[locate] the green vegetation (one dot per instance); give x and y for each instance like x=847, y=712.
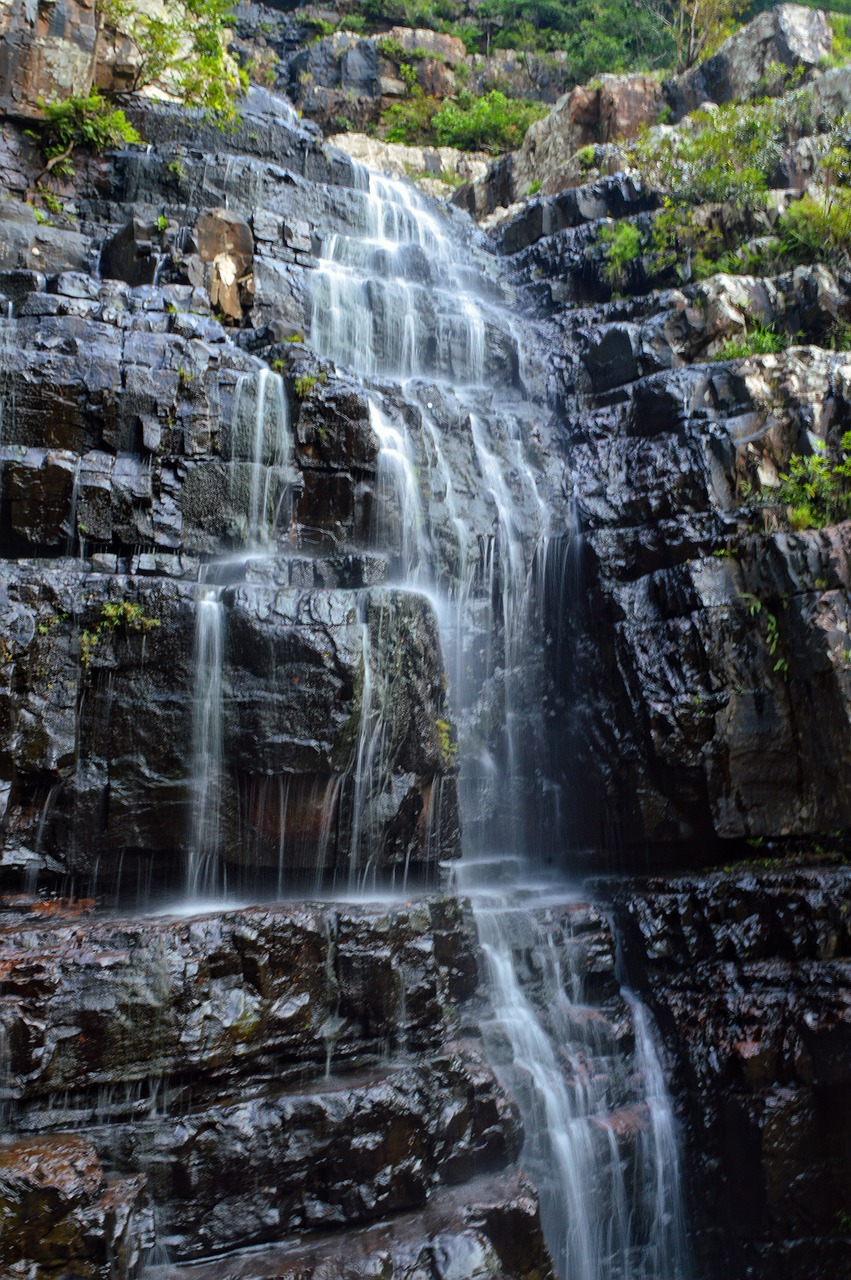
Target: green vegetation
x=622, y=248
x=114, y=616
x=491, y=122
x=756, y=608
x=718, y=156
x=185, y=49
x=762, y=340
x=816, y=489
x=446, y=740
x=79, y=121
x=305, y=384
x=595, y=35
x=818, y=229
x=727, y=156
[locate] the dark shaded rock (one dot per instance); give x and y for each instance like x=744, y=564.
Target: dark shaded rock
x=129, y=255
x=750, y=978
x=490, y=1227
x=60, y=1214
x=116, y=753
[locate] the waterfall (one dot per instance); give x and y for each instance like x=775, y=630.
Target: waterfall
x=259, y=482
x=464, y=518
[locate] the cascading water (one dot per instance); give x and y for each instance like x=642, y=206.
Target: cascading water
x=260, y=456
x=260, y=451
x=207, y=735
x=399, y=303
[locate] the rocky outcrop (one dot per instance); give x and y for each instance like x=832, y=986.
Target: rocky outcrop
x=252, y=1074
x=349, y=80
x=789, y=35
x=580, y=132
x=750, y=978
x=615, y=108
x=346, y=80
x=46, y=52
x=435, y=170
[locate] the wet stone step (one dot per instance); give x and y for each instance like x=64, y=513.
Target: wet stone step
x=487, y=1227
x=88, y=1001
x=240, y=1173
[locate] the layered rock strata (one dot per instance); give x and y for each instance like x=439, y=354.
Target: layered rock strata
x=257, y=1075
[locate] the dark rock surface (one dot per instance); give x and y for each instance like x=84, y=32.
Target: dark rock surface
x=749, y=975
x=255, y=1075
x=702, y=637
x=130, y=403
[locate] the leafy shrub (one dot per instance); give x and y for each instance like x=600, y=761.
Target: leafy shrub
x=491, y=122
x=412, y=121
x=816, y=489
x=818, y=228
x=726, y=154
x=80, y=121
x=585, y=157
x=623, y=247
x=185, y=49
x=762, y=340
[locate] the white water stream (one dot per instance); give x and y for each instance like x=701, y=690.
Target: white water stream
x=403, y=303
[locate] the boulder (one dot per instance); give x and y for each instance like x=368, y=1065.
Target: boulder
x=616, y=107
x=443, y=48
x=225, y=243
x=60, y=1214
x=789, y=35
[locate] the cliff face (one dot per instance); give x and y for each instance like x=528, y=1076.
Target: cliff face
x=251, y=549
x=141, y=439
x=699, y=627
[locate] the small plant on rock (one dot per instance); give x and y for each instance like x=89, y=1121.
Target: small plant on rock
x=622, y=248
x=762, y=340
x=114, y=615
x=816, y=489
x=817, y=228
x=81, y=121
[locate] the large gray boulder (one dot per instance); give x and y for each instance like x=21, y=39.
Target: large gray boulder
x=789, y=35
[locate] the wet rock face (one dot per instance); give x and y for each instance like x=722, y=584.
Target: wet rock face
x=251, y=1074
x=750, y=979
x=136, y=420
x=98, y=726
x=58, y=1210
x=702, y=638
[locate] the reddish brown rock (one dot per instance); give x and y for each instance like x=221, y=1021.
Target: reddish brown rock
x=47, y=51
x=226, y=244
x=58, y=1214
